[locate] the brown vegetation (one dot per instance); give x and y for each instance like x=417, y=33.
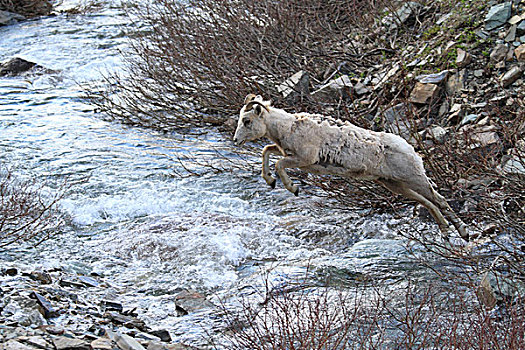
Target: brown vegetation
x=26, y=214
x=28, y=8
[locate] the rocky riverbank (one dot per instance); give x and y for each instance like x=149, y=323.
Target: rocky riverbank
x=55, y=309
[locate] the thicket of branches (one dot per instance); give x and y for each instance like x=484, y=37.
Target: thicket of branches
x=26, y=213
x=28, y=8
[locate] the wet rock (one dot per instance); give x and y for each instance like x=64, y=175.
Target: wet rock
x=11, y=271
x=45, y=306
x=71, y=284
x=124, y=341
x=15, y=67
x=335, y=89
x=188, y=301
x=435, y=78
x=424, y=93
x=499, y=53
x=102, y=344
x=7, y=18
x=128, y=321
x=66, y=343
x=15, y=345
x=402, y=15
x=111, y=305
x=163, y=334
x=295, y=86
x=88, y=281
x=463, y=58
x=498, y=15
x=520, y=52
x=40, y=276
x=512, y=75
x=36, y=341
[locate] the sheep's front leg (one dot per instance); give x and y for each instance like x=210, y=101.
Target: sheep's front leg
x=270, y=149
x=289, y=162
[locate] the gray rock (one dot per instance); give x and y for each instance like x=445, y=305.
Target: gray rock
x=15, y=66
x=436, y=133
x=520, y=52
x=336, y=88
x=396, y=121
x=163, y=334
x=456, y=82
x=102, y=344
x=495, y=287
x=520, y=29
x=499, y=53
x=511, y=34
x=361, y=89
x=435, y=78
x=512, y=75
x=45, y=306
x=402, y=15
x=15, y=345
x=469, y=119
x=7, y=18
x=111, y=305
x=514, y=165
x=295, y=86
x=498, y=15
x=124, y=341
x=187, y=301
x=66, y=343
x=463, y=58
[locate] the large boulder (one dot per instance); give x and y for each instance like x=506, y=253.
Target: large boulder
x=16, y=66
x=498, y=15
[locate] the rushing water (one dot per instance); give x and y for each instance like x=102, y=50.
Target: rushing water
x=133, y=221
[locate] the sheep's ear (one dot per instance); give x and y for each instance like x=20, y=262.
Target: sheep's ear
x=249, y=98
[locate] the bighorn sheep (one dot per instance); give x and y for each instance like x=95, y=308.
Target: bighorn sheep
x=323, y=145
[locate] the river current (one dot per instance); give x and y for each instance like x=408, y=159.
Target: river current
x=132, y=220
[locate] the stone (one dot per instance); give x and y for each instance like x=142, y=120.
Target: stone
x=295, y=86
x=463, y=58
x=13, y=344
x=361, y=89
x=163, y=334
x=102, y=344
x=496, y=287
x=516, y=19
x=42, y=277
x=187, y=301
x=385, y=76
x=468, y=119
x=46, y=308
x=111, y=305
x=402, y=15
x=482, y=136
x=520, y=52
x=436, y=133
x=88, y=281
x=335, y=89
x=456, y=82
x=396, y=121
x=7, y=18
x=66, y=343
x=512, y=75
x=478, y=73
x=124, y=341
x=38, y=342
x=499, y=53
x=435, y=78
x=15, y=66
x=520, y=29
x=11, y=271
x=514, y=166
x=498, y=15
x=511, y=34
x=424, y=93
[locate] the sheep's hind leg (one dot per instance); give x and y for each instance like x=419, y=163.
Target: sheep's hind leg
x=270, y=149
x=280, y=167
x=400, y=188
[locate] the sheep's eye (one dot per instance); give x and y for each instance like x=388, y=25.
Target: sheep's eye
x=247, y=122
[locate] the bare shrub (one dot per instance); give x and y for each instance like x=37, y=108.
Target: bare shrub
x=26, y=213
x=419, y=315
x=28, y=8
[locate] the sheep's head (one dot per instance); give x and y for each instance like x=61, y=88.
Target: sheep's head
x=251, y=125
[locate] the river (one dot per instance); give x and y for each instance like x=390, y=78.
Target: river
x=132, y=220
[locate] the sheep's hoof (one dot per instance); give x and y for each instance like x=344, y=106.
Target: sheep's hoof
x=272, y=184
x=296, y=192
